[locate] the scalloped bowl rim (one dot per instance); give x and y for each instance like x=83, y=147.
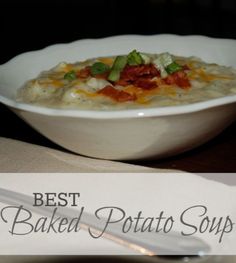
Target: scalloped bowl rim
x=116, y=114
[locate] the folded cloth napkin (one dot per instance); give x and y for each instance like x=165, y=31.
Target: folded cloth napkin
x=19, y=157
x=136, y=189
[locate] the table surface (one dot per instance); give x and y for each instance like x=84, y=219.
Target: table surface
x=218, y=155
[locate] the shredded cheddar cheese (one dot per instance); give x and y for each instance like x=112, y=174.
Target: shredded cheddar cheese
x=89, y=84
x=57, y=83
x=89, y=94
x=207, y=77
x=108, y=61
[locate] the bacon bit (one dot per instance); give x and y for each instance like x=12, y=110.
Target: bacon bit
x=139, y=76
x=84, y=73
x=123, y=82
x=178, y=78
x=117, y=95
x=186, y=67
x=103, y=76
x=145, y=84
x=131, y=73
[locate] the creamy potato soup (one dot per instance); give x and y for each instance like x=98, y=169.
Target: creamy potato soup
x=135, y=80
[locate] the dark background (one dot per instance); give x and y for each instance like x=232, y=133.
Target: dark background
x=34, y=24
x=31, y=25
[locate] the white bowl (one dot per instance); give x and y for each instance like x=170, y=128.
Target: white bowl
x=125, y=134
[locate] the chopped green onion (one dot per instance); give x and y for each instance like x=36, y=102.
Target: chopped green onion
x=118, y=65
x=71, y=75
x=173, y=67
x=134, y=58
x=165, y=64
x=146, y=58
x=158, y=64
x=165, y=59
x=99, y=68
x=161, y=62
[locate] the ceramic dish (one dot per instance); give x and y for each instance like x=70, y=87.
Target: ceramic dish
x=123, y=134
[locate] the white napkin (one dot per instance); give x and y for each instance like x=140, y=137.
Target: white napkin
x=17, y=156
x=132, y=190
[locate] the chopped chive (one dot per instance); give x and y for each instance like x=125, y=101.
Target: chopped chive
x=173, y=67
x=146, y=58
x=71, y=75
x=118, y=65
x=162, y=62
x=114, y=75
x=99, y=68
x=134, y=58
